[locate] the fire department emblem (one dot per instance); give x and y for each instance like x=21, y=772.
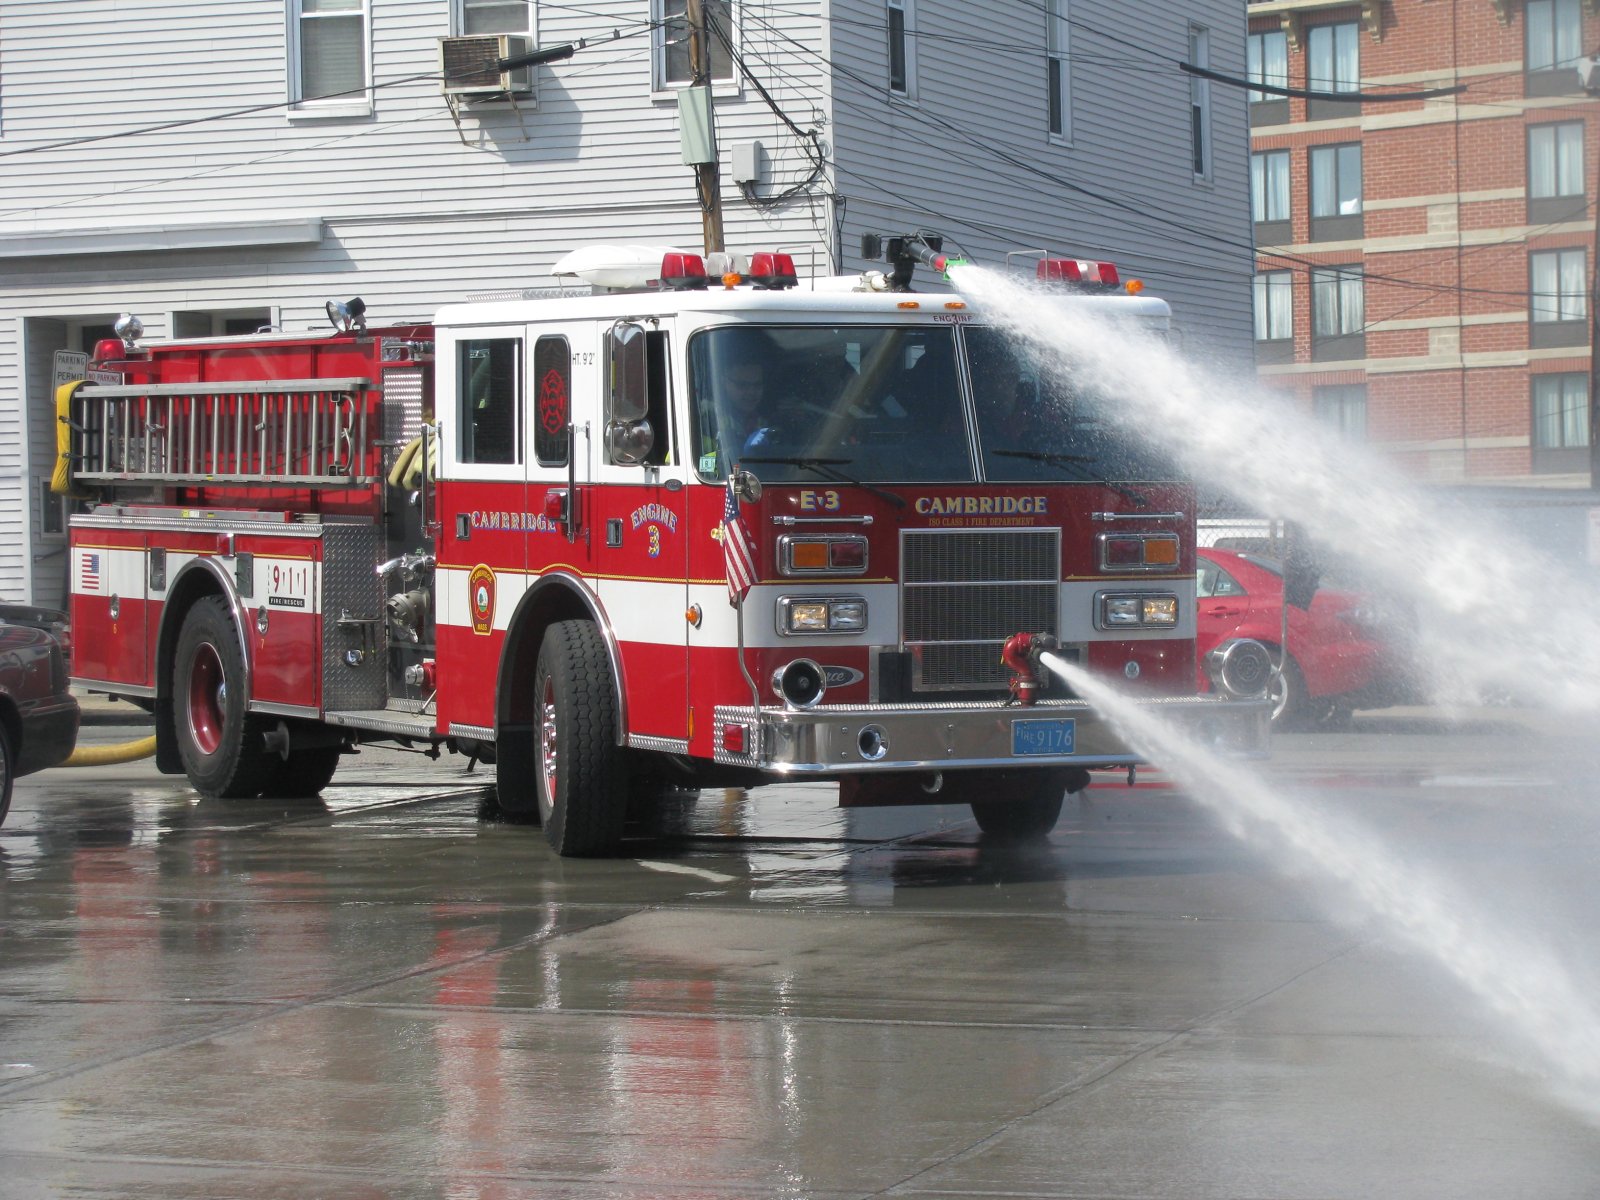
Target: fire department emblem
x=552, y=402
x=480, y=590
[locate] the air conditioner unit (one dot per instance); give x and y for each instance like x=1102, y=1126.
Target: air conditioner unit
x=470, y=65
x=1589, y=72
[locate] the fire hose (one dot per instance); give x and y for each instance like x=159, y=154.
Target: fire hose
x=105, y=756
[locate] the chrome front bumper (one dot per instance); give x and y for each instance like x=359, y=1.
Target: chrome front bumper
x=836, y=740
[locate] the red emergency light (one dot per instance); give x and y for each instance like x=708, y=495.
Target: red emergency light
x=1077, y=271
x=772, y=270
x=108, y=350
x=681, y=272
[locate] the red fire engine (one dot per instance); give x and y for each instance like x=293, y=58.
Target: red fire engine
x=666, y=529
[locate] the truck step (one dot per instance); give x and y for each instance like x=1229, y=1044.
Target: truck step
x=385, y=720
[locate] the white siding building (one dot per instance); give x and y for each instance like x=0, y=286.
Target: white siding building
x=172, y=159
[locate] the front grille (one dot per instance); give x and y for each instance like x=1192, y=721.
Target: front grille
x=964, y=591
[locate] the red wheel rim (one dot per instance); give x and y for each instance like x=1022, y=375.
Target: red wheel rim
x=208, y=698
x=549, y=756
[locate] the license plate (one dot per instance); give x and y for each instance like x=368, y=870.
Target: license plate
x=1055, y=736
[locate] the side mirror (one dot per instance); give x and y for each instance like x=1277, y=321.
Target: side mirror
x=629, y=442
x=629, y=438
x=627, y=396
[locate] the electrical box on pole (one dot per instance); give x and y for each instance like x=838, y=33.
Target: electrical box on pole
x=707, y=182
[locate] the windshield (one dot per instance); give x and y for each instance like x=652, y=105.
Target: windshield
x=884, y=404
x=1034, y=425
x=879, y=405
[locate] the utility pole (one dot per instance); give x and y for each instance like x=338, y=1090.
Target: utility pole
x=707, y=175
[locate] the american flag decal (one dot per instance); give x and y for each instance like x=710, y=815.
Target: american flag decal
x=91, y=572
x=738, y=550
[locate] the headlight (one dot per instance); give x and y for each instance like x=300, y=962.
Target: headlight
x=1136, y=610
x=821, y=614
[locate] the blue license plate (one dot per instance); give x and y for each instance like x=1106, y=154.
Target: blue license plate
x=1055, y=736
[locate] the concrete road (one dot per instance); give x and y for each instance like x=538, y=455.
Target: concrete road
x=390, y=993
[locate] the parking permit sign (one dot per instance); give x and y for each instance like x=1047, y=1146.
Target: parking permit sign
x=68, y=366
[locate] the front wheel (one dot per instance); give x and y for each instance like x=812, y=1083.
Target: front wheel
x=221, y=750
x=580, y=772
x=1026, y=804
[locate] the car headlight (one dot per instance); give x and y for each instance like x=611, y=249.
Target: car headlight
x=1136, y=610
x=821, y=614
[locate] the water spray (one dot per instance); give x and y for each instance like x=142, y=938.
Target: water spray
x=1510, y=975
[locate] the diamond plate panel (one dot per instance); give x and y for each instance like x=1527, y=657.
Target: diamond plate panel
x=350, y=589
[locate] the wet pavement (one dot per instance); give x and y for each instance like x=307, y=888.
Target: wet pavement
x=389, y=992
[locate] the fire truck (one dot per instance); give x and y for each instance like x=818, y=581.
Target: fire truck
x=661, y=528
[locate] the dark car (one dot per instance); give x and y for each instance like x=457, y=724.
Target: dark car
x=38, y=716
x=52, y=620
x=1336, y=656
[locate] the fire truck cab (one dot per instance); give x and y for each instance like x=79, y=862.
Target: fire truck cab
x=668, y=529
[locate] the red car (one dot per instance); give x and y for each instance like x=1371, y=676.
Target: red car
x=1335, y=657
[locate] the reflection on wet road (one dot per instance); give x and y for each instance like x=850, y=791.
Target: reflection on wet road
x=392, y=992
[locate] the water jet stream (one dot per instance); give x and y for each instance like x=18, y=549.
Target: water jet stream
x=1251, y=440
x=1514, y=979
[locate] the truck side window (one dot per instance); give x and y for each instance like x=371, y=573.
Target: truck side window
x=552, y=391
x=490, y=391
x=660, y=397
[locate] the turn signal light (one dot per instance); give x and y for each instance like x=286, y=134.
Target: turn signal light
x=1138, y=551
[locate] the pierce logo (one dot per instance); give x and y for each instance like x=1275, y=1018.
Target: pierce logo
x=480, y=593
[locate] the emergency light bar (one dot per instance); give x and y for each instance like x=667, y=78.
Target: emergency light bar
x=772, y=270
x=1077, y=271
x=681, y=271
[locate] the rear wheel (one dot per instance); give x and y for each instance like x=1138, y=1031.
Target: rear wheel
x=219, y=745
x=303, y=774
x=1026, y=804
x=1287, y=692
x=580, y=772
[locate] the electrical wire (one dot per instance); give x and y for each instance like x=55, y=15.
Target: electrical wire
x=1127, y=206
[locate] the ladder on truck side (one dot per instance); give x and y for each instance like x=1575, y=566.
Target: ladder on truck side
x=302, y=432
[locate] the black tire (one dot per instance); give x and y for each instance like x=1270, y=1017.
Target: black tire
x=300, y=776
x=8, y=772
x=1026, y=804
x=1287, y=691
x=582, y=775
x=516, y=772
x=221, y=747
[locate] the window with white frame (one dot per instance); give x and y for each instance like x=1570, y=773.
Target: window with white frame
x=673, y=67
x=1554, y=34
x=1200, y=103
x=1058, y=71
x=1555, y=162
x=901, y=20
x=1560, y=411
x=1269, y=186
x=479, y=18
x=1344, y=406
x=1274, y=305
x=468, y=17
x=1267, y=61
x=329, y=49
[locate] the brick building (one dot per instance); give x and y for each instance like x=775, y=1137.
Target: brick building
x=1425, y=266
